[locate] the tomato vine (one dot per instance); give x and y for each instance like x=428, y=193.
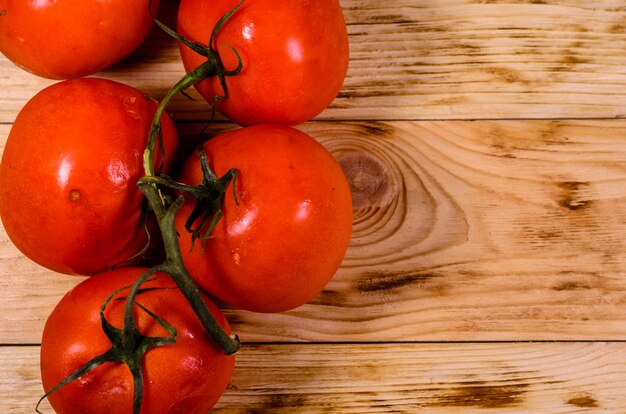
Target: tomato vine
x=128, y=346
x=321, y=199
x=208, y=194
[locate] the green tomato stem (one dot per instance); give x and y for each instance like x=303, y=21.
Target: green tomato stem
x=164, y=210
x=128, y=346
x=174, y=267
x=165, y=213
x=205, y=70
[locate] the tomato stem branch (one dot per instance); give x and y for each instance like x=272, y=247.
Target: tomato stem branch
x=164, y=210
x=174, y=267
x=207, y=69
x=128, y=345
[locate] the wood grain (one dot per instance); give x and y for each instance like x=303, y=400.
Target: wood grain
x=485, y=146
x=489, y=230
x=393, y=378
x=456, y=59
x=422, y=59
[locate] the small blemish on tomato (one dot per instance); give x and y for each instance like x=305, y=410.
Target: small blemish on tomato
x=236, y=256
x=129, y=106
x=74, y=196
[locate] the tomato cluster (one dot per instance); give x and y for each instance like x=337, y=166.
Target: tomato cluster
x=92, y=183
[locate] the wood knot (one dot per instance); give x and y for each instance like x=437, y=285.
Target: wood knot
x=404, y=207
x=574, y=195
x=368, y=179
x=584, y=401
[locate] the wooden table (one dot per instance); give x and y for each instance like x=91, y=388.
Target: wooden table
x=485, y=142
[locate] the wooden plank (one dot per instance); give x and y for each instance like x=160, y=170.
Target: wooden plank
x=465, y=232
x=490, y=230
x=393, y=378
x=419, y=59
x=459, y=59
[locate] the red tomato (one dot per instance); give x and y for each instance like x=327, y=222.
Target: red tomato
x=187, y=376
x=284, y=240
x=294, y=55
x=62, y=39
x=68, y=194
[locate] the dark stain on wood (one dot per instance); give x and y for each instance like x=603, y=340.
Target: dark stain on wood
x=579, y=28
x=519, y=1
x=571, y=285
x=379, y=281
x=468, y=48
x=380, y=19
x=549, y=134
x=506, y=74
x=571, y=59
x=437, y=289
x=378, y=129
x=505, y=155
x=281, y=401
x=512, y=28
x=234, y=316
x=378, y=88
x=583, y=402
x=482, y=395
x=449, y=101
x=329, y=298
x=501, y=142
x=570, y=197
x=545, y=235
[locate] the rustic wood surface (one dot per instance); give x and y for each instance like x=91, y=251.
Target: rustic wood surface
x=397, y=378
x=485, y=145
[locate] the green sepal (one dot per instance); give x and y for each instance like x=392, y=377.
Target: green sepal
x=128, y=346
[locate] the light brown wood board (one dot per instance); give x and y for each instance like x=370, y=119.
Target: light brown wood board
x=486, y=150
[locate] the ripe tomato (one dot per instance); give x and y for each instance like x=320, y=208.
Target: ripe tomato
x=280, y=243
x=187, y=376
x=68, y=194
x=294, y=55
x=62, y=39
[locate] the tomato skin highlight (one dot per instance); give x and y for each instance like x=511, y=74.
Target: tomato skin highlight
x=64, y=39
x=294, y=52
x=68, y=178
x=188, y=376
x=285, y=239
